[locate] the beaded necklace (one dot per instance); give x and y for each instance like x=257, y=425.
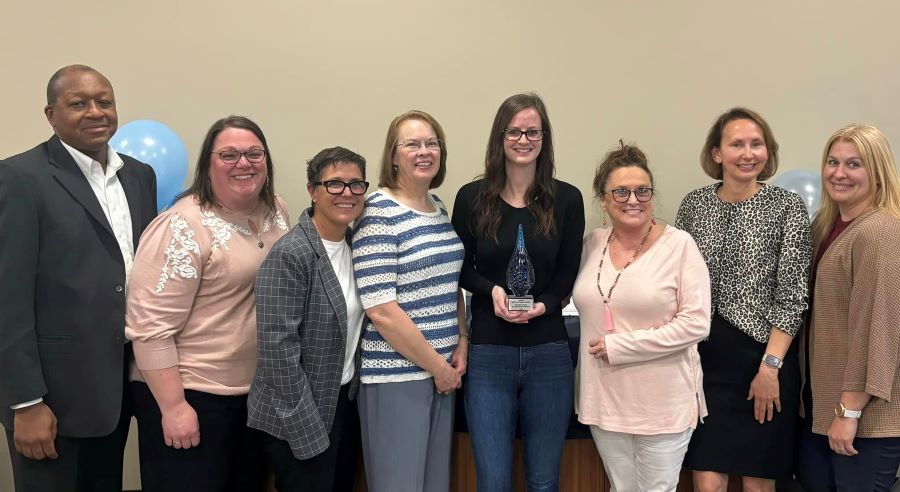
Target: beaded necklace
x=606, y=298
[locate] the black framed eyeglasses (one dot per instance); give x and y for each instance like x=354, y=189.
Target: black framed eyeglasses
x=231, y=156
x=622, y=195
x=513, y=134
x=336, y=186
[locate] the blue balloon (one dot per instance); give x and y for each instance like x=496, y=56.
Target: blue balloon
x=154, y=143
x=805, y=183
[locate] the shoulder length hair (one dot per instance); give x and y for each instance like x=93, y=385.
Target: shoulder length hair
x=387, y=177
x=541, y=195
x=201, y=188
x=717, y=132
x=878, y=160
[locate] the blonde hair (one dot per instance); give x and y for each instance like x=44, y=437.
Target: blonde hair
x=878, y=160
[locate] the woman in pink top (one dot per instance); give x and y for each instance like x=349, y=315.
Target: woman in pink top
x=643, y=293
x=191, y=317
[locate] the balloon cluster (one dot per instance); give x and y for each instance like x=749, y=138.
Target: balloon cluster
x=805, y=183
x=154, y=143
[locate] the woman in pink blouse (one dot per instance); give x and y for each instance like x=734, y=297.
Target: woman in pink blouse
x=191, y=317
x=643, y=293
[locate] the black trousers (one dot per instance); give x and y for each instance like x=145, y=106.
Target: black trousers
x=873, y=470
x=84, y=464
x=92, y=464
x=332, y=470
x=228, y=458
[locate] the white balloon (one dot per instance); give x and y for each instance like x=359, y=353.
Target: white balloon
x=805, y=183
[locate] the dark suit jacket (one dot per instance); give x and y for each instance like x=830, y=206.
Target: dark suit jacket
x=62, y=288
x=301, y=320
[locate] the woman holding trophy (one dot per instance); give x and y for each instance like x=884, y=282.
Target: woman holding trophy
x=522, y=232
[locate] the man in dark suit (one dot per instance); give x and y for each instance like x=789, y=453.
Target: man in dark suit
x=71, y=213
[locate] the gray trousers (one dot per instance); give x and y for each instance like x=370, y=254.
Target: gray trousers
x=407, y=435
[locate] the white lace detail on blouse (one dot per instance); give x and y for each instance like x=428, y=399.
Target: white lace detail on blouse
x=220, y=228
x=278, y=220
x=178, y=252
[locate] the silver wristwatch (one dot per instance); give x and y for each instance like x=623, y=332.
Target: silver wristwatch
x=772, y=361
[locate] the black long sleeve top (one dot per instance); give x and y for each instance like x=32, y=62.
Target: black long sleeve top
x=555, y=260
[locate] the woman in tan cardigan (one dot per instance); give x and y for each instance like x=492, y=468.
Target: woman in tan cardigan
x=853, y=442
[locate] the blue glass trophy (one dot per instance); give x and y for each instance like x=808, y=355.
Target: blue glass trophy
x=520, y=276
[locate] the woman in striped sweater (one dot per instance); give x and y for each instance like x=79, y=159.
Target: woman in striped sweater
x=407, y=258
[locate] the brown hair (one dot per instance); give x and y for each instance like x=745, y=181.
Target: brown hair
x=542, y=192
x=624, y=155
x=329, y=157
x=201, y=188
x=714, y=140
x=386, y=176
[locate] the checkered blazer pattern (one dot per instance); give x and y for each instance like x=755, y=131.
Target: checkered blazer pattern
x=301, y=319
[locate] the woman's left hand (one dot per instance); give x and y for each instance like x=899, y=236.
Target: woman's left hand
x=841, y=435
x=459, y=357
x=764, y=390
x=597, y=348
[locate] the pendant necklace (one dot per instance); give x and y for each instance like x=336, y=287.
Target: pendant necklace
x=607, y=314
x=255, y=230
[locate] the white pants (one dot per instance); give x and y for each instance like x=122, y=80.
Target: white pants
x=637, y=463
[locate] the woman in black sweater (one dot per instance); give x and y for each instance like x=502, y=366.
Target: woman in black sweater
x=519, y=367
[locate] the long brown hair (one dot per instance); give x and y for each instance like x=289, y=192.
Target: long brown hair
x=541, y=195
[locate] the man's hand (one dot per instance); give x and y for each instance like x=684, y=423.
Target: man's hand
x=34, y=432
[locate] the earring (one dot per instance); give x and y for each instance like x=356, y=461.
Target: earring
x=604, y=217
x=394, y=168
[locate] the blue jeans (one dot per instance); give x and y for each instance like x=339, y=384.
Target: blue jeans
x=531, y=386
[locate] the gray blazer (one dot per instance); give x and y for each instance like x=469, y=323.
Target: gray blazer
x=301, y=319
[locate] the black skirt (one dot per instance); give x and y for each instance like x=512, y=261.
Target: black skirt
x=730, y=440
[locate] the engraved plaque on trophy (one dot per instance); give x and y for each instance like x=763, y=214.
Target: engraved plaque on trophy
x=520, y=276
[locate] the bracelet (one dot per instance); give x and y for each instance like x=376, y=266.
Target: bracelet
x=464, y=335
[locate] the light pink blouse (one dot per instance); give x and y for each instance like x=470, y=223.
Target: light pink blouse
x=653, y=382
x=190, y=299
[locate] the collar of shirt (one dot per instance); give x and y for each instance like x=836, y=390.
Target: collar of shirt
x=85, y=163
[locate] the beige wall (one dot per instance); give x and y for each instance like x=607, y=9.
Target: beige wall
x=318, y=74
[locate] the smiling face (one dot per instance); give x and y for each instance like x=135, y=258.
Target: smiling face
x=631, y=214
x=523, y=152
x=742, y=152
x=237, y=186
x=337, y=210
x=84, y=113
x=847, y=180
x=416, y=167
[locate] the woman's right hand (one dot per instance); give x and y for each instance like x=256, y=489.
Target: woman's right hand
x=500, y=308
x=181, y=429
x=446, y=379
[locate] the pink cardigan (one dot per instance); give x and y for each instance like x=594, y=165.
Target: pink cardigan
x=653, y=382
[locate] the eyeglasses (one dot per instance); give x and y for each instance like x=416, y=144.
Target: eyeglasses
x=433, y=144
x=513, y=134
x=254, y=156
x=337, y=187
x=622, y=195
